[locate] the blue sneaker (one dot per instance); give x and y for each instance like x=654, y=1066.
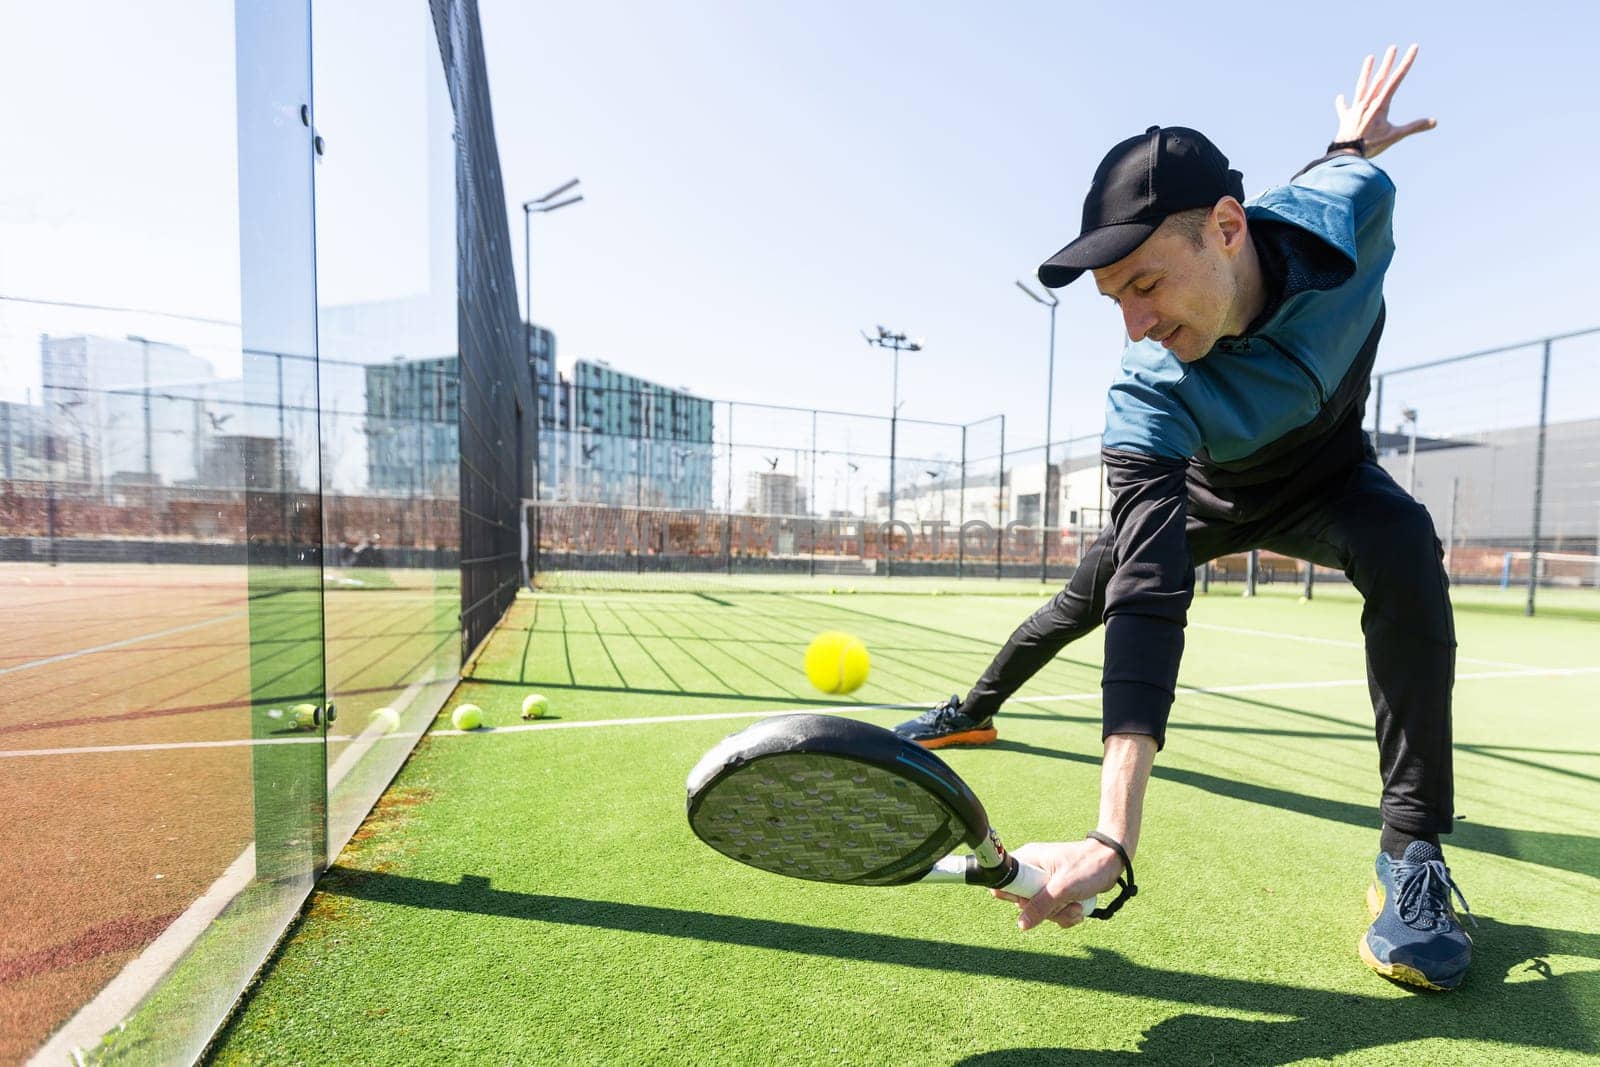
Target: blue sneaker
x=1415, y=936
x=946, y=725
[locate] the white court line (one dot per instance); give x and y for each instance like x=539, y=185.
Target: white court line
x=117, y=1000
x=123, y=995
x=122, y=644
x=832, y=709
x=1341, y=643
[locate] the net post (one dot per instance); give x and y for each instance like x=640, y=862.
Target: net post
x=1538, y=479
x=1252, y=564
x=1311, y=579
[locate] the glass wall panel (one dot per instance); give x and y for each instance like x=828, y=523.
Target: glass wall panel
x=159, y=633
x=386, y=318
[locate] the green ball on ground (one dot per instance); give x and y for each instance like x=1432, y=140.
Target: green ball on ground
x=535, y=706
x=467, y=717
x=386, y=720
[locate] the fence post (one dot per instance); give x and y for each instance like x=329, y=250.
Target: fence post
x=1252, y=564
x=1538, y=479
x=1450, y=532
x=812, y=503
x=1000, y=504
x=1377, y=415
x=961, y=507
x=1311, y=578
x=727, y=515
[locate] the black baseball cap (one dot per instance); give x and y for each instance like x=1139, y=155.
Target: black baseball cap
x=1140, y=182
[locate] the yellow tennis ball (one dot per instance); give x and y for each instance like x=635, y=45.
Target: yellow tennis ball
x=305, y=716
x=837, y=662
x=535, y=706
x=467, y=717
x=386, y=720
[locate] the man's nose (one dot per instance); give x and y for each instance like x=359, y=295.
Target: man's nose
x=1138, y=320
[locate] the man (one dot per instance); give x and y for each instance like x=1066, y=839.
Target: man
x=1236, y=423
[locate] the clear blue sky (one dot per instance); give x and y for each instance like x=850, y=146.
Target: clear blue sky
x=764, y=180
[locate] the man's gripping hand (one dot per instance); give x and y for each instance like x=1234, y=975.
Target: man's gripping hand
x=1366, y=117
x=1077, y=870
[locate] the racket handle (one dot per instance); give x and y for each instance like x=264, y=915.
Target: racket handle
x=1030, y=880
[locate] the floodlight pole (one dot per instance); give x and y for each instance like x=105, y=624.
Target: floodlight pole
x=541, y=205
x=1046, y=497
x=897, y=343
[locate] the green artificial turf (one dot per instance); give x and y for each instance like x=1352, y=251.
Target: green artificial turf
x=535, y=895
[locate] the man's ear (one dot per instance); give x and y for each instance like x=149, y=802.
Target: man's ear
x=1229, y=218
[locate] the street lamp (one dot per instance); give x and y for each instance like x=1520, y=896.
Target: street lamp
x=1049, y=399
x=897, y=343
x=542, y=205
x=1410, y=415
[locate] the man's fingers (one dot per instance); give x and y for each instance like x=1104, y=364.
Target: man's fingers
x=1383, y=70
x=1361, y=82
x=1043, y=906
x=1399, y=74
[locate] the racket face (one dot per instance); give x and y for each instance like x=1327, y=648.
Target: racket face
x=831, y=800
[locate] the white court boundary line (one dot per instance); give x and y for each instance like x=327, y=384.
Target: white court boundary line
x=121, y=997
x=122, y=644
x=831, y=709
x=1340, y=643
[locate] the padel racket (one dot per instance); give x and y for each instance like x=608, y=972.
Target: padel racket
x=835, y=800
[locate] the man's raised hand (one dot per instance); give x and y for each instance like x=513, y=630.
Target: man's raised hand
x=1366, y=117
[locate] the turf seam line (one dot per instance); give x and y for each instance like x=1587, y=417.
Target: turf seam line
x=121, y=644
x=1340, y=643
x=714, y=716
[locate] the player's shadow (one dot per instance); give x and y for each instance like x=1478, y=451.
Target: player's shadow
x=1570, y=852
x=1527, y=986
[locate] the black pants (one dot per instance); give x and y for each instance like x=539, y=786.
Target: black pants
x=1384, y=541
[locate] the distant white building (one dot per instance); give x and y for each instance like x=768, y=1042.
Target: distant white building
x=123, y=411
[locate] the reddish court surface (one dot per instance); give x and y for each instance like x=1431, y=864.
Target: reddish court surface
x=100, y=851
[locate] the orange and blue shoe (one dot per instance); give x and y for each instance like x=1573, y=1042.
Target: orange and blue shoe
x=948, y=725
x=1415, y=936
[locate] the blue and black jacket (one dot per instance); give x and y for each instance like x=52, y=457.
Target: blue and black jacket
x=1261, y=422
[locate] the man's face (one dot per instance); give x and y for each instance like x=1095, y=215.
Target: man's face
x=1173, y=292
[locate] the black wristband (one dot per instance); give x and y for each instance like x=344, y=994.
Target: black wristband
x=1359, y=144
x=1125, y=886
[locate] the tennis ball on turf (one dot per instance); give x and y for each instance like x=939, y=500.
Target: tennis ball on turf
x=535, y=706
x=305, y=716
x=1305, y=600
x=837, y=662
x=467, y=717
x=386, y=720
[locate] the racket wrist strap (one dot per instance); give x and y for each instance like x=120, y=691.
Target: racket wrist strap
x=1125, y=884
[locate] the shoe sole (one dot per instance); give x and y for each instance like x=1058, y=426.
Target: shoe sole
x=964, y=737
x=1398, y=972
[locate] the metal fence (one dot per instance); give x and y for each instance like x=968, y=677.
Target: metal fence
x=1502, y=446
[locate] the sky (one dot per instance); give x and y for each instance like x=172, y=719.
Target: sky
x=763, y=181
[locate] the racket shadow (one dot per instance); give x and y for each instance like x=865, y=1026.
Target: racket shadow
x=1513, y=996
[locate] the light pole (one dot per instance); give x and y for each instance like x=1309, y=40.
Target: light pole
x=897, y=343
x=541, y=205
x=1410, y=415
x=1045, y=494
